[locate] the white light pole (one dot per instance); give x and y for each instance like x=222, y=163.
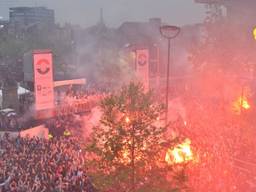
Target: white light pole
x=169, y=32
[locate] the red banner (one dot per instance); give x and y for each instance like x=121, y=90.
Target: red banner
x=43, y=75
x=142, y=67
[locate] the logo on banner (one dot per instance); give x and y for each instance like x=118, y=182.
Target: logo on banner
x=43, y=66
x=142, y=59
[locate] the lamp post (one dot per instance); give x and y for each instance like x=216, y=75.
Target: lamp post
x=169, y=32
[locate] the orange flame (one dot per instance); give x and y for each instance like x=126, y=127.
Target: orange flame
x=244, y=103
x=241, y=103
x=125, y=157
x=181, y=153
x=127, y=119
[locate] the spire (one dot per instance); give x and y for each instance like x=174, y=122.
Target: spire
x=101, y=16
x=100, y=27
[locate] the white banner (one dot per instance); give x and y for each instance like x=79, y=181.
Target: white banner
x=70, y=82
x=43, y=73
x=142, y=67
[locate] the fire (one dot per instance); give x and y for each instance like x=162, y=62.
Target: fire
x=244, y=103
x=181, y=153
x=125, y=157
x=254, y=33
x=127, y=119
x=241, y=103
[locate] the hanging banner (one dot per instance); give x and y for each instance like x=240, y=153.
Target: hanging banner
x=43, y=75
x=142, y=67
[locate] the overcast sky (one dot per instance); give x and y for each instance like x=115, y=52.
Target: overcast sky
x=87, y=12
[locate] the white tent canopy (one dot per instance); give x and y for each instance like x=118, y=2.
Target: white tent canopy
x=21, y=91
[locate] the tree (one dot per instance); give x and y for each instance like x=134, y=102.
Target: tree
x=128, y=147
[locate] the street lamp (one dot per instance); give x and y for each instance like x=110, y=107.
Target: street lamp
x=169, y=32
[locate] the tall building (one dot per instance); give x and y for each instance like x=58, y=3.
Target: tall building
x=24, y=18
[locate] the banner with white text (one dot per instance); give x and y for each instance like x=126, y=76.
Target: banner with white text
x=43, y=76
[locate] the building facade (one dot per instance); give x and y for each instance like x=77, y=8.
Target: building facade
x=25, y=18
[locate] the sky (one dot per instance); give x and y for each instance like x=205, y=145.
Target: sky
x=87, y=12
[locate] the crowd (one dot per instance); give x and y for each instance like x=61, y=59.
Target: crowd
x=38, y=165
x=78, y=94
x=68, y=102
x=74, y=101
x=59, y=124
x=54, y=165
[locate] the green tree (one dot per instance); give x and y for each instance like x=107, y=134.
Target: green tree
x=129, y=145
